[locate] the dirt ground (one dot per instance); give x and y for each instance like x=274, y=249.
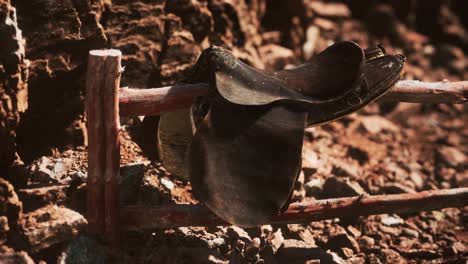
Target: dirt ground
x=386, y=148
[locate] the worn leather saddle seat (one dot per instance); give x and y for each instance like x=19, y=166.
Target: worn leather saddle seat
x=245, y=155
x=326, y=77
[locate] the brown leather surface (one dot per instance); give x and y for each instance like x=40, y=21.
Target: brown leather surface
x=243, y=160
x=328, y=76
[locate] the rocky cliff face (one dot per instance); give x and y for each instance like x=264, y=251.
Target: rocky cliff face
x=13, y=86
x=59, y=35
x=160, y=40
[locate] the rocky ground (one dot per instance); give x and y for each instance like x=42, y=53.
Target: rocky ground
x=386, y=148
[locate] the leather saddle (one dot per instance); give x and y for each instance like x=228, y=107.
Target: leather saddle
x=245, y=154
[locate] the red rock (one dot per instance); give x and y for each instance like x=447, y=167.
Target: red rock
x=451, y=156
x=10, y=205
x=16, y=258
x=4, y=228
x=377, y=124
x=341, y=187
x=13, y=87
x=275, y=241
x=276, y=57
x=35, y=198
x=328, y=9
x=366, y=242
x=343, y=240
x=48, y=226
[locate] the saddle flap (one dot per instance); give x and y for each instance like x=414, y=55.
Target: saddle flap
x=244, y=160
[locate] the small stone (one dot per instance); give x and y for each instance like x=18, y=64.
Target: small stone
x=78, y=177
x=421, y=254
x=393, y=231
x=346, y=170
x=357, y=259
x=410, y=232
x=253, y=248
x=295, y=243
x=235, y=232
x=335, y=258
x=276, y=57
x=44, y=175
x=460, y=247
x=16, y=258
x=390, y=256
x=4, y=228
x=335, y=187
x=373, y=259
x=451, y=157
x=276, y=240
x=240, y=245
x=167, y=184
x=358, y=154
x=341, y=240
x=314, y=187
x=461, y=179
x=391, y=220
x=312, y=35
x=417, y=179
x=377, y=124
x=271, y=37
x=35, y=198
x=345, y=252
x=300, y=180
x=49, y=226
x=46, y=170
x=366, y=242
x=324, y=24
x=353, y=231
x=266, y=230
x=61, y=167
x=310, y=159
x=216, y=242
x=11, y=206
x=334, y=10
x=445, y=174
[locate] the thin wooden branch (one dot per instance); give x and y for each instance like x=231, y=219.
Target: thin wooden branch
x=94, y=107
x=172, y=216
x=157, y=100
x=425, y=92
x=111, y=117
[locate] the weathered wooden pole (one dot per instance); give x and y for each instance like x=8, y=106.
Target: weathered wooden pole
x=172, y=216
x=157, y=100
x=96, y=157
x=103, y=82
x=429, y=92
x=112, y=145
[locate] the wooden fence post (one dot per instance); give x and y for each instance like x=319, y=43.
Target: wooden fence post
x=102, y=109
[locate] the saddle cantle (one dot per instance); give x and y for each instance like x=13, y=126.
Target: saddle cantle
x=245, y=155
